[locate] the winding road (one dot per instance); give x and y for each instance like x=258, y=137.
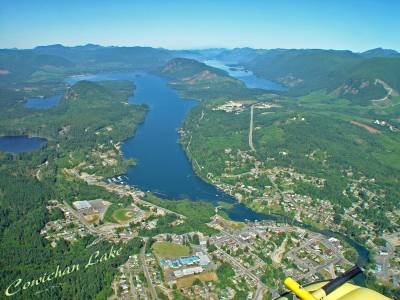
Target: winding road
x=389, y=90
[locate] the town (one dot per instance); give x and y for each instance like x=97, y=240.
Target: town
x=249, y=259
x=239, y=258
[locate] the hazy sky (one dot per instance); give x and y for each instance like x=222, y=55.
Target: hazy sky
x=338, y=24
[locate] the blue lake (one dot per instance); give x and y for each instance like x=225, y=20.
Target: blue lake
x=162, y=166
x=248, y=77
x=18, y=144
x=42, y=103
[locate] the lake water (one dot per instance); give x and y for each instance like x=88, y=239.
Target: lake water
x=18, y=144
x=42, y=103
x=248, y=77
x=162, y=166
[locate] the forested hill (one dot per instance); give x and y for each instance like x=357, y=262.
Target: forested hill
x=18, y=65
x=85, y=125
x=90, y=55
x=197, y=80
x=180, y=68
x=380, y=52
x=346, y=74
x=304, y=71
x=53, y=63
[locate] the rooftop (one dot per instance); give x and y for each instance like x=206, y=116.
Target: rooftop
x=81, y=205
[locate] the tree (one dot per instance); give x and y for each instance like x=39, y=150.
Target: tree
x=197, y=281
x=196, y=239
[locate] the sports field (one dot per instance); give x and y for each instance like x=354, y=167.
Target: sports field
x=168, y=250
x=122, y=215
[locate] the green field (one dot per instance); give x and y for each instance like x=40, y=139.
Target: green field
x=166, y=249
x=123, y=214
x=116, y=214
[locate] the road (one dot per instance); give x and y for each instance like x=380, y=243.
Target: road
x=276, y=186
x=96, y=241
x=161, y=208
x=120, y=189
x=251, y=129
x=276, y=256
x=133, y=290
x=388, y=89
x=146, y=273
x=81, y=219
x=239, y=266
x=258, y=295
x=202, y=115
x=336, y=258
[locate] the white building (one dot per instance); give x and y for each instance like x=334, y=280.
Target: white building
x=80, y=205
x=188, y=271
x=204, y=259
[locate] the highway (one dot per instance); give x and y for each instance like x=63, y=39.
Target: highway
x=146, y=272
x=251, y=129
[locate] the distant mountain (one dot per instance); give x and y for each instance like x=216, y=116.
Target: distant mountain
x=91, y=55
x=210, y=53
x=54, y=62
x=380, y=52
x=20, y=64
x=351, y=75
x=355, y=76
x=240, y=55
x=304, y=70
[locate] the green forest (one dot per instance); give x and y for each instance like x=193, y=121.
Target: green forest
x=84, y=110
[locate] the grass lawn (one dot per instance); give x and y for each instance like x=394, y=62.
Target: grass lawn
x=187, y=281
x=117, y=214
x=234, y=225
x=166, y=249
x=123, y=214
x=108, y=216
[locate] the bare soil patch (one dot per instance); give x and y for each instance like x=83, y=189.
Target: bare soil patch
x=187, y=281
x=369, y=128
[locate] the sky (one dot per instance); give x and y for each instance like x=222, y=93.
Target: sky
x=357, y=25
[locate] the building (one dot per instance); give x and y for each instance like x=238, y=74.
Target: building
x=81, y=205
x=179, y=262
x=204, y=260
x=188, y=271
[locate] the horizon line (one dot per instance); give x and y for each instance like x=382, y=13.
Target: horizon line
x=193, y=48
